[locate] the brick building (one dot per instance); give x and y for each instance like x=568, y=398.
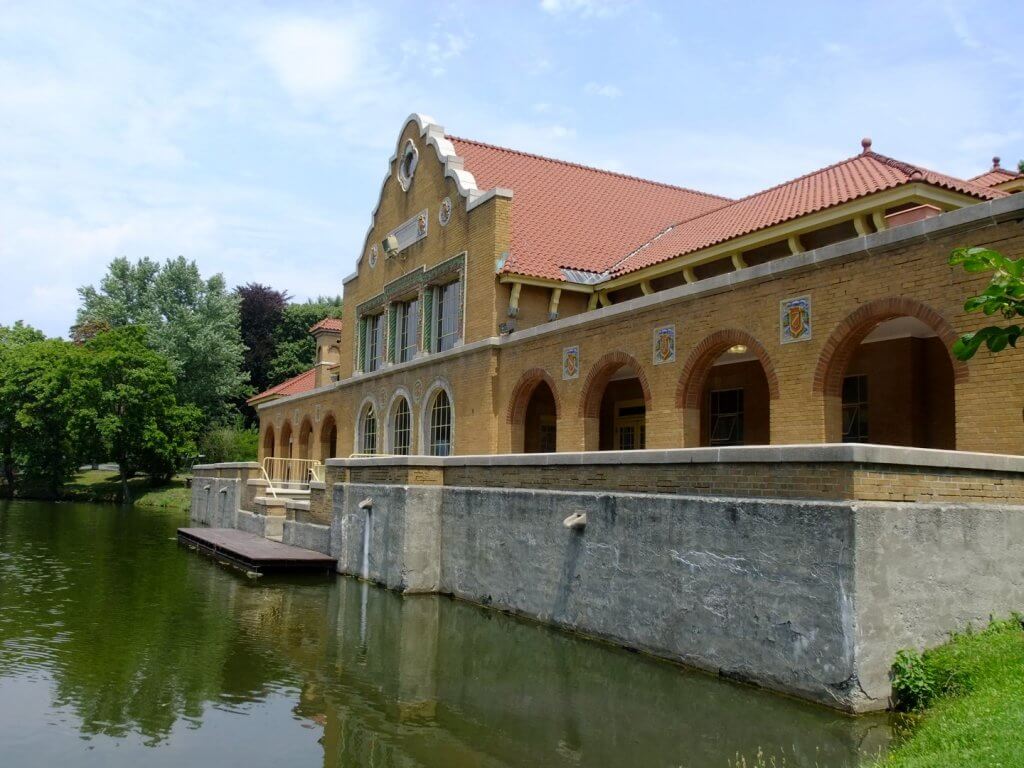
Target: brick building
x=504, y=303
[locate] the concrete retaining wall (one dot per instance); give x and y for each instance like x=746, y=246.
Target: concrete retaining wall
x=809, y=598
x=215, y=501
x=307, y=536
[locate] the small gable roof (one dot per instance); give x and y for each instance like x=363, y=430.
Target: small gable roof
x=304, y=382
x=330, y=324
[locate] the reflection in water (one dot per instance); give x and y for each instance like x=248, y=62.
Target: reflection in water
x=117, y=646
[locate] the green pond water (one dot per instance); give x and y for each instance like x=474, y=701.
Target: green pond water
x=118, y=647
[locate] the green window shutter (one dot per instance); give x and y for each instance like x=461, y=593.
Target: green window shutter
x=392, y=323
x=361, y=346
x=428, y=330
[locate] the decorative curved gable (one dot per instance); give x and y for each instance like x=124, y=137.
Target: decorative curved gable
x=432, y=135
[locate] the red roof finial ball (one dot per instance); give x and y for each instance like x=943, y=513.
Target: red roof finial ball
x=995, y=161
x=866, y=144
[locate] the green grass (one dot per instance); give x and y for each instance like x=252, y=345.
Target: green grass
x=104, y=486
x=976, y=716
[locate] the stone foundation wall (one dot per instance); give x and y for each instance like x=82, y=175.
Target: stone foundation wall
x=812, y=598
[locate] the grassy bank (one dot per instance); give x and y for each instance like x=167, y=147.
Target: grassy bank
x=969, y=699
x=99, y=485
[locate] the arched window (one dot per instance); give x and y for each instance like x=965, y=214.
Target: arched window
x=440, y=435
x=401, y=428
x=369, y=431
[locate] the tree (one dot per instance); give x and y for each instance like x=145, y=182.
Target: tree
x=262, y=311
x=294, y=347
x=38, y=410
x=192, y=322
x=1020, y=166
x=130, y=392
x=1003, y=296
x=12, y=340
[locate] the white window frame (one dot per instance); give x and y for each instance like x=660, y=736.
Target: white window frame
x=425, y=412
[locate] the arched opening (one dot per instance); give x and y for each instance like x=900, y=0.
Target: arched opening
x=735, y=405
x=533, y=414
x=726, y=390
x=367, y=432
x=615, y=403
x=305, y=443
x=439, y=431
x=268, y=443
x=328, y=438
x=285, y=445
x=540, y=424
x=401, y=427
x=897, y=388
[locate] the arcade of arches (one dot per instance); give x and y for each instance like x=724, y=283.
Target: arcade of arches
x=890, y=380
x=884, y=376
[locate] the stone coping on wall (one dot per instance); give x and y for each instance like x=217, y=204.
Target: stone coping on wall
x=828, y=453
x=977, y=216
x=228, y=465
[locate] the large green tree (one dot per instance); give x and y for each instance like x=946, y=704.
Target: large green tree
x=193, y=322
x=294, y=347
x=39, y=410
x=127, y=391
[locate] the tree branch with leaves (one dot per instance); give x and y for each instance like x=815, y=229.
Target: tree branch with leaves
x=1003, y=297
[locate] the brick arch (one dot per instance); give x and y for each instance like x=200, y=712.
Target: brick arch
x=703, y=356
x=847, y=336
x=597, y=379
x=326, y=424
x=523, y=391
x=269, y=441
x=284, y=437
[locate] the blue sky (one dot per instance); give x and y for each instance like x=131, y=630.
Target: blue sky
x=253, y=137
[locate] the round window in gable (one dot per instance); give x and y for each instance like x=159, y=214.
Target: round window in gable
x=407, y=164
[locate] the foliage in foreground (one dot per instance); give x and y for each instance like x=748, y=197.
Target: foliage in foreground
x=1004, y=296
x=970, y=696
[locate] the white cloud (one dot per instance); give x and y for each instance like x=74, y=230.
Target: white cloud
x=434, y=54
x=313, y=57
x=607, y=90
x=586, y=8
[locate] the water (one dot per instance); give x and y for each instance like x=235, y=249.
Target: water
x=120, y=648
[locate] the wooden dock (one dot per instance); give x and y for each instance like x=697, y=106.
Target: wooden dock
x=252, y=552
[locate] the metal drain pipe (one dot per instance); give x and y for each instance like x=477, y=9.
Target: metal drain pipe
x=367, y=504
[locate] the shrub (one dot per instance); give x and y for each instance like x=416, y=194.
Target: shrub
x=230, y=444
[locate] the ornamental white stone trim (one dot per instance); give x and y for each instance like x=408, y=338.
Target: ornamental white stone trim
x=453, y=169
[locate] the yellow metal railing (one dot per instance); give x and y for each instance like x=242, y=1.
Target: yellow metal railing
x=290, y=474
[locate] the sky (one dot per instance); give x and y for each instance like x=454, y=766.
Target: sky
x=253, y=137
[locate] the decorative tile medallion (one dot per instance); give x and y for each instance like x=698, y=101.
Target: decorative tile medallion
x=421, y=224
x=373, y=256
x=570, y=363
x=795, y=319
x=444, y=213
x=664, y=344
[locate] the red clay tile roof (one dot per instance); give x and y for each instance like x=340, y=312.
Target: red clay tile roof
x=864, y=174
x=568, y=215
x=327, y=324
x=296, y=385
x=994, y=176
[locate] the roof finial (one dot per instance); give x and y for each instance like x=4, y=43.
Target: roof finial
x=995, y=162
x=866, y=144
